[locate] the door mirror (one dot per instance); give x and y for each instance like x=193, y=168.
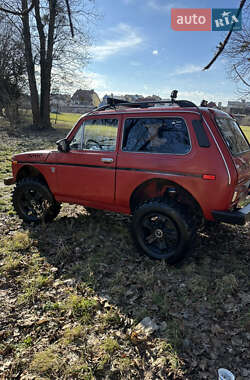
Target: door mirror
x=62, y=145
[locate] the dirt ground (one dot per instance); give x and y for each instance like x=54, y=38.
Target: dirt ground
x=73, y=292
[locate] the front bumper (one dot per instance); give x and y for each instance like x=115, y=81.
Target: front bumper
x=240, y=216
x=9, y=181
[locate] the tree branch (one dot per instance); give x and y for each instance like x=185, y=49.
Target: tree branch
x=70, y=19
x=24, y=12
x=223, y=44
x=240, y=76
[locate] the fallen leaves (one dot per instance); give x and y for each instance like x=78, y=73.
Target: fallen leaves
x=95, y=309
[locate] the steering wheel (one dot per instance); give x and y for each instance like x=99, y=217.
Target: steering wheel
x=92, y=144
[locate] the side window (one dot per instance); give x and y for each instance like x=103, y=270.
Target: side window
x=76, y=142
x=96, y=134
x=156, y=135
x=233, y=135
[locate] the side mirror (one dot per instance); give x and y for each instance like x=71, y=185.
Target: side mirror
x=62, y=145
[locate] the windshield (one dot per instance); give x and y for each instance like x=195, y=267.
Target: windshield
x=233, y=135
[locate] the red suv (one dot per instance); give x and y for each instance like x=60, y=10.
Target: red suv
x=171, y=165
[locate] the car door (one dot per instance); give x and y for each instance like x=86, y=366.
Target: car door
x=87, y=171
x=153, y=146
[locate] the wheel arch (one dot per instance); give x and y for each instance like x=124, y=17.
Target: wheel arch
x=163, y=188
x=30, y=171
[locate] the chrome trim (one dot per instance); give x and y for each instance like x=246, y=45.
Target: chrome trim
x=219, y=149
x=165, y=117
x=107, y=159
x=234, y=196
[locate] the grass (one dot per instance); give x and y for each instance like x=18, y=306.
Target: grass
x=64, y=120
x=73, y=291
x=246, y=130
x=80, y=307
x=46, y=362
x=60, y=120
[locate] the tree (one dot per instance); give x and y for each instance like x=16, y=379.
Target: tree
x=238, y=54
x=12, y=72
x=45, y=30
x=236, y=47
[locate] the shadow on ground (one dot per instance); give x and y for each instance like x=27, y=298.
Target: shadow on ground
x=195, y=304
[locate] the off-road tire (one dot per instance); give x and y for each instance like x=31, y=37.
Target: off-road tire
x=29, y=190
x=169, y=214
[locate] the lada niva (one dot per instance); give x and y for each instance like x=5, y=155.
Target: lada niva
x=170, y=164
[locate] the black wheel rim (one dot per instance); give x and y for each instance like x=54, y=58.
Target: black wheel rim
x=159, y=235
x=33, y=203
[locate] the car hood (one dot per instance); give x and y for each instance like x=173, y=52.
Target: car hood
x=33, y=156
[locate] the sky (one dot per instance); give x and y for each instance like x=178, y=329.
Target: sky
x=135, y=51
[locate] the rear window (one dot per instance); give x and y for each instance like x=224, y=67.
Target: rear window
x=233, y=135
x=156, y=135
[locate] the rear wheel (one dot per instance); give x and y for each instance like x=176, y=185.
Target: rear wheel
x=33, y=201
x=162, y=230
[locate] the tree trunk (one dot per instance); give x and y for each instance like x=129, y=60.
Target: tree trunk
x=30, y=66
x=49, y=59
x=46, y=57
x=44, y=107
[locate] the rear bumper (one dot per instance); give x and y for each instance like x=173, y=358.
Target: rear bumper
x=9, y=181
x=240, y=216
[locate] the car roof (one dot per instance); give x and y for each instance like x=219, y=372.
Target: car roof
x=130, y=110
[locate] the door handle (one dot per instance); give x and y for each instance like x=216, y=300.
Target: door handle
x=107, y=160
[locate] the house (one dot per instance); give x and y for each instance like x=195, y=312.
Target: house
x=238, y=107
x=88, y=98
x=152, y=98
x=130, y=98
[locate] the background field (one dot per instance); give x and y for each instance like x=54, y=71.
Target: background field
x=246, y=130
x=72, y=293
x=64, y=120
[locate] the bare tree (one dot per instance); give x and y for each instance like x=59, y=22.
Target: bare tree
x=50, y=41
x=6, y=9
x=238, y=54
x=12, y=72
x=236, y=47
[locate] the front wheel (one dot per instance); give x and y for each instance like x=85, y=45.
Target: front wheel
x=162, y=230
x=33, y=201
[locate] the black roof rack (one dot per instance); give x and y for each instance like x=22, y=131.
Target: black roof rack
x=113, y=103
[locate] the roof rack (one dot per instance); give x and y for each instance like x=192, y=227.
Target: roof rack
x=113, y=103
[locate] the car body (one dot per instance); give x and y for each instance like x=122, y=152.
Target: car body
x=191, y=159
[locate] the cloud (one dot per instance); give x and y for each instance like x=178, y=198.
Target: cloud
x=158, y=6
x=129, y=38
x=187, y=69
x=155, y=52
x=196, y=96
x=96, y=80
